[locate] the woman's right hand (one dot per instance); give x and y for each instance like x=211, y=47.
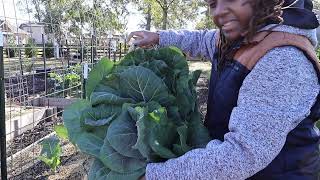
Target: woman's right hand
x=144, y=39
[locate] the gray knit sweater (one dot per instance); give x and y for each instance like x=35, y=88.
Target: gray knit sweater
x=274, y=98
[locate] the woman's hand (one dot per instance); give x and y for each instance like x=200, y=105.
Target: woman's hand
x=144, y=38
x=143, y=178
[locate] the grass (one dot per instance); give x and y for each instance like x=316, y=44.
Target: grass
x=204, y=66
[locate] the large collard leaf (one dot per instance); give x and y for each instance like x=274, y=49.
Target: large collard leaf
x=112, y=81
x=198, y=134
x=159, y=134
x=122, y=134
x=105, y=88
x=195, y=76
x=173, y=57
x=185, y=99
x=117, y=162
x=142, y=84
x=89, y=143
x=159, y=67
x=72, y=118
x=126, y=176
x=96, y=119
x=100, y=70
x=133, y=58
x=108, y=98
x=100, y=172
x=143, y=128
x=173, y=113
x=182, y=147
x=157, y=144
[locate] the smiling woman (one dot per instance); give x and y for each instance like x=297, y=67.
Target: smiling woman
x=263, y=97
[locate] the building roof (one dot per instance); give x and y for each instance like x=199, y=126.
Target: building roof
x=8, y=28
x=32, y=24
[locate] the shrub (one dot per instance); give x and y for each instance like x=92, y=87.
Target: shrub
x=31, y=49
x=49, y=52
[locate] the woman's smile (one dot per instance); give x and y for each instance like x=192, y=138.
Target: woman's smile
x=229, y=26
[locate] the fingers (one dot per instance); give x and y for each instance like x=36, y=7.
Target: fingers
x=135, y=33
x=141, y=42
x=143, y=38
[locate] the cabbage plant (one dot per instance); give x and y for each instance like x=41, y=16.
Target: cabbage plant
x=139, y=110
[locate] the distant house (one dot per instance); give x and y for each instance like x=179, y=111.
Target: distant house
x=36, y=31
x=11, y=32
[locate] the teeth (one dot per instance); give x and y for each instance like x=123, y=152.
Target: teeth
x=228, y=23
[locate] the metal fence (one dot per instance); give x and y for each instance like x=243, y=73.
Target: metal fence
x=36, y=81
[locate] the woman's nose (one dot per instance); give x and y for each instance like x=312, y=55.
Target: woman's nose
x=220, y=9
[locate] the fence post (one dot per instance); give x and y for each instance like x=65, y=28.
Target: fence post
x=2, y=115
x=20, y=58
x=68, y=53
x=44, y=64
x=125, y=47
x=81, y=51
x=92, y=49
x=120, y=52
x=109, y=49
x=84, y=81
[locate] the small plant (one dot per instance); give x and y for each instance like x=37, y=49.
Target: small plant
x=51, y=152
x=30, y=49
x=71, y=78
x=61, y=132
x=28, y=65
x=10, y=51
x=49, y=52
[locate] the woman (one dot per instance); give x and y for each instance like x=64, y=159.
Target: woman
x=261, y=117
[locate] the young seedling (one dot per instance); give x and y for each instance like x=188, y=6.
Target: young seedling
x=51, y=152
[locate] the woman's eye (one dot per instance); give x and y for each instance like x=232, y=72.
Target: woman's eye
x=212, y=4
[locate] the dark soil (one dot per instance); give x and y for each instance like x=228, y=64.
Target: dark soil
x=43, y=128
x=202, y=91
x=74, y=166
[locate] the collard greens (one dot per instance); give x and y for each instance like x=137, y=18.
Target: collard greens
x=142, y=109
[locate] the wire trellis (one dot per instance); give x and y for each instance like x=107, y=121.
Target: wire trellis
x=39, y=76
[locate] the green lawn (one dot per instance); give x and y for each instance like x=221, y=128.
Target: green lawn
x=204, y=66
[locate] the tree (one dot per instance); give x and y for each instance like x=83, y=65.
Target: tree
x=206, y=21
x=77, y=16
x=164, y=14
x=316, y=4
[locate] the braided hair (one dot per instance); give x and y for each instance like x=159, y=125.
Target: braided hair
x=268, y=10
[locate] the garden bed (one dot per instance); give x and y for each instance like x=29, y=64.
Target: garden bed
x=75, y=166
x=42, y=129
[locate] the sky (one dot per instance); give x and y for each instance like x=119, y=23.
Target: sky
x=10, y=10
x=16, y=16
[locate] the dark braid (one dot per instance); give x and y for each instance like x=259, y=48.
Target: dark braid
x=269, y=10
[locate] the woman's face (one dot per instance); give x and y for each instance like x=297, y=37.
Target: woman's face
x=231, y=16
